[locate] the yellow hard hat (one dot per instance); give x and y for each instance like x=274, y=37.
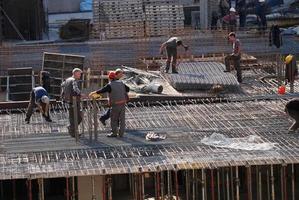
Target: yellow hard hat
x=288, y=59
x=96, y=96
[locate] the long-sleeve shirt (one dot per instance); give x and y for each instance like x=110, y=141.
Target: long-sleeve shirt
x=107, y=88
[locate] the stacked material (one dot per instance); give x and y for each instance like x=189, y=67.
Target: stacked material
x=201, y=76
x=60, y=67
x=118, y=19
x=20, y=83
x=163, y=17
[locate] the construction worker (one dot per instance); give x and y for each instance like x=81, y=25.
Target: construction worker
x=117, y=100
x=292, y=109
x=112, y=76
x=230, y=20
x=171, y=50
x=70, y=89
x=39, y=97
x=235, y=56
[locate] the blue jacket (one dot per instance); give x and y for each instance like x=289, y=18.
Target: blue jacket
x=39, y=92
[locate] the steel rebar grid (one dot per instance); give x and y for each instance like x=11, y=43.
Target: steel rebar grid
x=184, y=123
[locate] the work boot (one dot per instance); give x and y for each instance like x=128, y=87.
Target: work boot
x=174, y=71
x=111, y=135
x=48, y=119
x=27, y=120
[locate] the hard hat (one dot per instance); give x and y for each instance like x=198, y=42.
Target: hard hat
x=118, y=70
x=288, y=59
x=232, y=9
x=76, y=70
x=45, y=99
x=96, y=96
x=111, y=75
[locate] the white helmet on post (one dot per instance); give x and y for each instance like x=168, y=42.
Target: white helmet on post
x=45, y=99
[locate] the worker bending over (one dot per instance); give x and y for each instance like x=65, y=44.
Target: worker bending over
x=39, y=97
x=118, y=98
x=171, y=50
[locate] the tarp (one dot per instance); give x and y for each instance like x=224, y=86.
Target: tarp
x=86, y=5
x=250, y=143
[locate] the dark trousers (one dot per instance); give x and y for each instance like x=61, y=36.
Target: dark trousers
x=118, y=123
x=171, y=53
x=71, y=127
x=32, y=105
x=295, y=115
x=236, y=62
x=106, y=115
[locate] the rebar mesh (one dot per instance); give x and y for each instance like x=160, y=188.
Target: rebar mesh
x=36, y=150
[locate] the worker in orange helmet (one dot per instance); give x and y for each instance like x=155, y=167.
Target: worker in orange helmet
x=117, y=100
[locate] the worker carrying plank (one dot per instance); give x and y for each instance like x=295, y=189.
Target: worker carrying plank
x=235, y=56
x=171, y=50
x=38, y=97
x=71, y=92
x=292, y=109
x=118, y=98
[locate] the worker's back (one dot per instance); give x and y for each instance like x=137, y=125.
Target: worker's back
x=118, y=93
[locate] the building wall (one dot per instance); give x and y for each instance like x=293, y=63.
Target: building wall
x=85, y=187
x=63, y=6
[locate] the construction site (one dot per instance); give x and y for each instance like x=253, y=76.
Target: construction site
x=199, y=134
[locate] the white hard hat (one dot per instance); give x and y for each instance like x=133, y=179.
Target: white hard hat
x=261, y=1
x=232, y=9
x=76, y=70
x=45, y=99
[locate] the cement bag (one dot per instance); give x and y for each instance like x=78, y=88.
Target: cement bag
x=86, y=5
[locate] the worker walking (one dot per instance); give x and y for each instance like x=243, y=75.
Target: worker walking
x=70, y=89
x=235, y=56
x=171, y=50
x=38, y=97
x=292, y=109
x=117, y=75
x=117, y=100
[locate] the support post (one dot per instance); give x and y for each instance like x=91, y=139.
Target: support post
x=89, y=118
x=93, y=188
x=169, y=184
x=212, y=185
x=249, y=182
x=67, y=192
x=176, y=185
x=272, y=183
x=293, y=182
x=110, y=188
x=218, y=184
x=104, y=188
x=29, y=187
x=75, y=110
x=95, y=119
x=41, y=195
x=237, y=184
x=73, y=197
x=14, y=191
x=203, y=183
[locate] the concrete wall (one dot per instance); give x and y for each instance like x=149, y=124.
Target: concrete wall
x=85, y=187
x=63, y=6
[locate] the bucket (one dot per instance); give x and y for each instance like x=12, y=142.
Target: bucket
x=282, y=89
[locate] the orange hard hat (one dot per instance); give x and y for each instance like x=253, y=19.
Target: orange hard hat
x=111, y=75
x=282, y=89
